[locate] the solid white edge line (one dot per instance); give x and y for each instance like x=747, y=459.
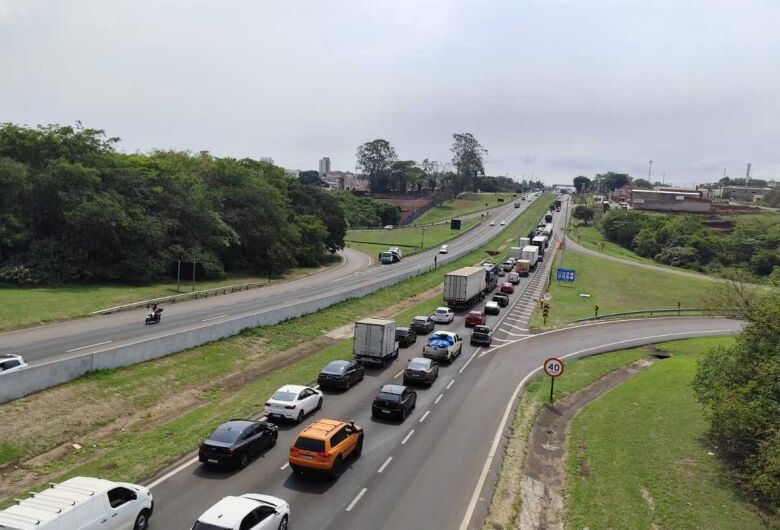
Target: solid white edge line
x=173, y=472
x=438, y=399
x=213, y=318
x=406, y=438
x=425, y=416
x=383, y=466
x=89, y=346
x=356, y=499
x=450, y=384
x=499, y=432
x=285, y=466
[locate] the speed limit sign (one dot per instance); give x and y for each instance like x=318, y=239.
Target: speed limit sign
x=553, y=367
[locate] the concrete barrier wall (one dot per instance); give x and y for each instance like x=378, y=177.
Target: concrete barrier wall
x=56, y=372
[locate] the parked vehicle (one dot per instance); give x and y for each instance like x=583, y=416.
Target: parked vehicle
x=464, y=287
x=421, y=371
x=374, y=342
x=10, y=362
x=405, y=337
x=250, y=511
x=82, y=503
x=422, y=325
x=393, y=401
x=443, y=346
x=531, y=254
x=475, y=318
x=324, y=447
x=501, y=299
x=481, y=336
x=235, y=442
x=507, y=288
x=388, y=227
x=444, y=249
x=341, y=374
x=443, y=315
x=293, y=402
x=492, y=308
x=513, y=278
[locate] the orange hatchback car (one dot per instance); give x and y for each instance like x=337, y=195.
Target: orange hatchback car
x=324, y=446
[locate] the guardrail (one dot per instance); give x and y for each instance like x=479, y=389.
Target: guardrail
x=650, y=312
x=172, y=299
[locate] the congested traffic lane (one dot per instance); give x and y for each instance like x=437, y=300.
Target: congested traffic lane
x=77, y=337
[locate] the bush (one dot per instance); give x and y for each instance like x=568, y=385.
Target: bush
x=679, y=257
x=18, y=274
x=622, y=226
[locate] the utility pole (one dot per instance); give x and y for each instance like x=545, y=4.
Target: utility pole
x=650, y=172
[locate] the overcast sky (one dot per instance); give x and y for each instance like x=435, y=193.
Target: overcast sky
x=557, y=88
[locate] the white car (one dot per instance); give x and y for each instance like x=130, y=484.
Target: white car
x=11, y=363
x=250, y=511
x=293, y=402
x=396, y=250
x=443, y=315
x=503, y=223
x=388, y=227
x=492, y=223
x=444, y=249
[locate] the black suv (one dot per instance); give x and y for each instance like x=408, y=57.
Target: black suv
x=340, y=374
x=236, y=441
x=422, y=325
x=405, y=336
x=393, y=401
x=501, y=299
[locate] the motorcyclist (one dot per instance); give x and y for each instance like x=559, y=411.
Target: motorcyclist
x=154, y=312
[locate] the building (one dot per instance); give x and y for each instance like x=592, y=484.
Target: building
x=324, y=167
x=743, y=193
x=704, y=193
x=670, y=201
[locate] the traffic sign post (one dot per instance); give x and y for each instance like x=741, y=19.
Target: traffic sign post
x=554, y=368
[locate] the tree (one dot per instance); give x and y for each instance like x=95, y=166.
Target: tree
x=403, y=174
x=581, y=184
x=642, y=184
x=583, y=213
x=310, y=178
x=611, y=181
x=468, y=157
x=374, y=160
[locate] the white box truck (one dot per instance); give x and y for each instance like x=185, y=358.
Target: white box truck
x=525, y=241
x=541, y=242
x=464, y=286
x=531, y=253
x=82, y=503
x=374, y=342
x=515, y=252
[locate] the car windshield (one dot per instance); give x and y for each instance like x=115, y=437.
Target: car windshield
x=386, y=396
x=336, y=367
x=206, y=526
x=227, y=436
x=284, y=396
x=310, y=444
x=419, y=364
x=441, y=311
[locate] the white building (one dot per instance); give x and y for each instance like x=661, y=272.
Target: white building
x=324, y=167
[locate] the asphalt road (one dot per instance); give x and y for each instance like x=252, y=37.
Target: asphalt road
x=45, y=343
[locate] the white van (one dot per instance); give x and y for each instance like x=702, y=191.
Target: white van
x=82, y=503
x=513, y=278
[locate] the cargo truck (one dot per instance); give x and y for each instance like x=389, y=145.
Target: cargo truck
x=465, y=286
x=531, y=253
x=522, y=267
x=557, y=205
x=525, y=241
x=541, y=242
x=374, y=343
x=548, y=217
x=514, y=252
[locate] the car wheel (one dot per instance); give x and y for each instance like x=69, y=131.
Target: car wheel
x=359, y=447
x=348, y=385
x=272, y=443
x=300, y=416
x=338, y=467
x=142, y=521
x=244, y=460
x=403, y=414
x=319, y=404
x=283, y=524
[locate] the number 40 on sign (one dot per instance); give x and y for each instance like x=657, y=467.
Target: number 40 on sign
x=554, y=368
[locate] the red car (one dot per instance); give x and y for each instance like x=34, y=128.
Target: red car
x=507, y=288
x=475, y=318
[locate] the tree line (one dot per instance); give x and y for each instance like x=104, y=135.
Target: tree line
x=73, y=209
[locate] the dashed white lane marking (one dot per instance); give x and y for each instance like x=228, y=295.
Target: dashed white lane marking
x=356, y=499
x=173, y=472
x=438, y=399
x=450, y=384
x=285, y=466
x=89, y=346
x=425, y=416
x=396, y=376
x=213, y=318
x=516, y=327
x=406, y=438
x=383, y=466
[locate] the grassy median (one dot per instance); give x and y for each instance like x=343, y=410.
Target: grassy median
x=469, y=203
x=411, y=240
x=132, y=421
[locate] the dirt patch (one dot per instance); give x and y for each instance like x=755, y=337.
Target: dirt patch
x=543, y=486
x=648, y=497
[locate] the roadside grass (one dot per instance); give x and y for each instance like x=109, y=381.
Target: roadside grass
x=182, y=396
x=410, y=239
x=616, y=287
x=469, y=203
x=643, y=445
x=589, y=237
x=24, y=306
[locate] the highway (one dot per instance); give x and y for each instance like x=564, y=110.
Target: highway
x=50, y=342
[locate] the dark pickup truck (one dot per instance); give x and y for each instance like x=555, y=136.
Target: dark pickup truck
x=481, y=336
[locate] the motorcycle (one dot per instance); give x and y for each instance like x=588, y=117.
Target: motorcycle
x=154, y=317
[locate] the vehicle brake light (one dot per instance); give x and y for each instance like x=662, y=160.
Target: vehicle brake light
x=289, y=407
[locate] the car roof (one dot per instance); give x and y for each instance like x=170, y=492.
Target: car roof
x=448, y=333
x=420, y=360
x=236, y=425
x=321, y=429
x=442, y=308
x=481, y=329
x=475, y=312
x=491, y=303
x=10, y=356
x=422, y=317
x=292, y=388
x=230, y=510
x=392, y=389
x=402, y=330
